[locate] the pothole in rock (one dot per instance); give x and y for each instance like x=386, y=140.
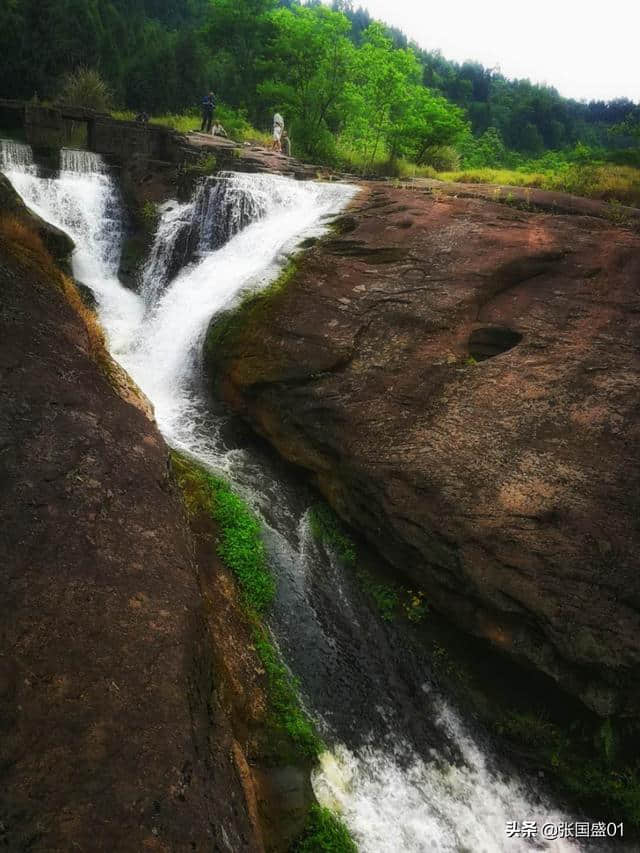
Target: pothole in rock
x=490, y=341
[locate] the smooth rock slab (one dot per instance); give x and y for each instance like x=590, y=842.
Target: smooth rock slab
x=507, y=488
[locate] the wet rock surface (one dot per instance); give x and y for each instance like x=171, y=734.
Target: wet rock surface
x=461, y=379
x=113, y=736
x=57, y=242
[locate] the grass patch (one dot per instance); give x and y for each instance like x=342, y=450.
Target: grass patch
x=291, y=735
x=205, y=166
x=324, y=833
x=234, y=122
x=605, y=181
x=286, y=715
x=389, y=599
x=240, y=545
x=350, y=159
x=385, y=597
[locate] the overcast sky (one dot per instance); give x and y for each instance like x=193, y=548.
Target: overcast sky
x=587, y=50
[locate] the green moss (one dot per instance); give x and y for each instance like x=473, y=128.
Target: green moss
x=327, y=529
x=582, y=760
x=240, y=545
x=385, y=596
x=285, y=715
x=291, y=735
x=324, y=833
x=389, y=599
x=236, y=329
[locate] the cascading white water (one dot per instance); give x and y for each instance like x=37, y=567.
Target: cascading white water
x=392, y=798
x=397, y=801
x=83, y=201
x=15, y=157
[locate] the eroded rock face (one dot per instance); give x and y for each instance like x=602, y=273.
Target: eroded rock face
x=57, y=242
x=462, y=380
x=113, y=738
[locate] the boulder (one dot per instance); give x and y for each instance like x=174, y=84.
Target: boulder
x=460, y=378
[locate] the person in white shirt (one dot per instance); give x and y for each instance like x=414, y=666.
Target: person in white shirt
x=278, y=127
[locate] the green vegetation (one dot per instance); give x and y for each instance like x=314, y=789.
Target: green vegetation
x=324, y=833
x=240, y=545
x=149, y=217
x=416, y=607
x=291, y=734
x=582, y=758
x=327, y=529
x=84, y=87
x=597, y=180
x=286, y=715
x=354, y=93
x=206, y=165
x=385, y=596
x=390, y=599
x=246, y=320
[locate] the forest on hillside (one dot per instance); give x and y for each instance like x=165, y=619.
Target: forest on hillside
x=349, y=87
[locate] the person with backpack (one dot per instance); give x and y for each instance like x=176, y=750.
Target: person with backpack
x=208, y=107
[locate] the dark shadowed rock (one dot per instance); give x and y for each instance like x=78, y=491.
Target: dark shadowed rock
x=113, y=735
x=461, y=378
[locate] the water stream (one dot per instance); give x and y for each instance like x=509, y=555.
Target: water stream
x=405, y=770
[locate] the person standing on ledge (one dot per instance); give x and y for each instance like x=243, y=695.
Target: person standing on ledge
x=278, y=127
x=208, y=106
x=285, y=143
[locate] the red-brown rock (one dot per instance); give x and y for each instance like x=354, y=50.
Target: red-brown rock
x=113, y=738
x=508, y=489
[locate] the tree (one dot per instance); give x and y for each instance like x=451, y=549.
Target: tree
x=423, y=121
x=236, y=33
x=311, y=58
x=377, y=93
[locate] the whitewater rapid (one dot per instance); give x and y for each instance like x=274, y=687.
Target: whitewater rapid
x=392, y=797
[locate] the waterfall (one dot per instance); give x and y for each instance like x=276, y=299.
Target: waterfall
x=221, y=207
x=80, y=162
x=403, y=768
x=15, y=157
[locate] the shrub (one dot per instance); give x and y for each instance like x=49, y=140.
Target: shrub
x=443, y=158
x=149, y=216
x=84, y=87
x=324, y=833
